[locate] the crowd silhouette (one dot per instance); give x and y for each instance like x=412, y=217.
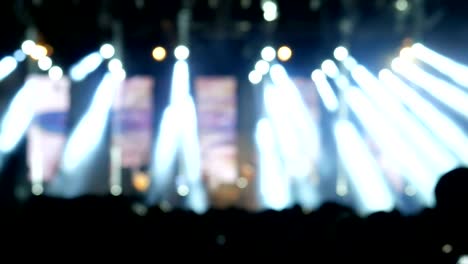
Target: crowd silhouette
x=332, y=233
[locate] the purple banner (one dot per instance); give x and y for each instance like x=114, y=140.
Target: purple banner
x=132, y=126
x=217, y=115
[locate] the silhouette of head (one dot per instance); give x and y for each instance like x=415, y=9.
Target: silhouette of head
x=452, y=191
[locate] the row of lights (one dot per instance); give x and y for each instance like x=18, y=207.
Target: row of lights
x=40, y=54
x=270, y=10
x=181, y=52
x=268, y=55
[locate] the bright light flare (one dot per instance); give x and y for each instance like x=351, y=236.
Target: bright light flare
x=440, y=89
x=255, y=77
x=90, y=129
x=28, y=47
x=85, y=66
x=325, y=91
x=18, y=116
x=268, y=54
x=159, y=53
x=262, y=67
x=45, y=63
x=442, y=126
x=178, y=135
x=114, y=65
x=297, y=162
x=340, y=53
x=284, y=53
x=363, y=170
x=396, y=149
x=401, y=5
x=422, y=139
x=270, y=11
x=38, y=52
x=454, y=70
x=329, y=68
x=273, y=184
x=7, y=65
x=181, y=52
x=183, y=190
x=19, y=55
x=107, y=51
x=350, y=63
x=296, y=136
x=55, y=73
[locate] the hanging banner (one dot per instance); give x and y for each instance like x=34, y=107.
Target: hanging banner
x=47, y=134
x=132, y=123
x=217, y=115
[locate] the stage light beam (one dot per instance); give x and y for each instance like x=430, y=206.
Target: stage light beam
x=85, y=66
x=55, y=73
x=45, y=63
x=363, y=170
x=28, y=47
x=18, y=116
x=396, y=149
x=181, y=52
x=422, y=139
x=340, y=53
x=107, y=51
x=90, y=129
x=330, y=69
x=255, y=77
x=441, y=125
x=454, y=70
x=443, y=91
x=7, y=65
x=273, y=183
x=268, y=54
x=178, y=135
x=325, y=91
x=262, y=67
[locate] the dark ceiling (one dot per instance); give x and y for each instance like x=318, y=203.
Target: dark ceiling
x=225, y=36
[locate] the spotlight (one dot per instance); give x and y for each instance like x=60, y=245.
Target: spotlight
x=268, y=53
x=270, y=16
x=270, y=11
x=269, y=6
x=7, y=66
x=159, y=53
x=401, y=5
x=114, y=65
x=406, y=53
x=116, y=190
x=284, y=53
x=19, y=55
x=85, y=66
x=28, y=47
x=340, y=53
x=183, y=190
x=262, y=67
x=181, y=52
x=107, y=51
x=325, y=91
x=45, y=63
x=38, y=52
x=330, y=69
x=55, y=73
x=255, y=77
